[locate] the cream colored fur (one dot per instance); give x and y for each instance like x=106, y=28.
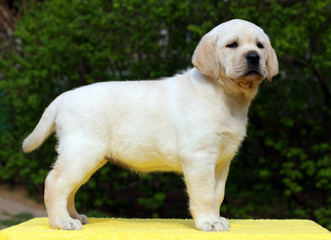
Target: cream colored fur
x=192, y=123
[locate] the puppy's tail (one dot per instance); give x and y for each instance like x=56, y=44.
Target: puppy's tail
x=43, y=129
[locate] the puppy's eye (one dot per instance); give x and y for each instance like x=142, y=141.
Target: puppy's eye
x=232, y=45
x=260, y=45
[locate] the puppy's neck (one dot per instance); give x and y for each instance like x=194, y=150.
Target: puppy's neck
x=239, y=97
x=241, y=91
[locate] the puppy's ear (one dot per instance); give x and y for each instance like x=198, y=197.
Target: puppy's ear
x=272, y=62
x=205, y=57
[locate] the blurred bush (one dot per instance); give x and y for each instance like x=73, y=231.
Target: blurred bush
x=283, y=169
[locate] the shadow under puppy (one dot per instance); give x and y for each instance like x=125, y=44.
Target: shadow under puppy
x=192, y=123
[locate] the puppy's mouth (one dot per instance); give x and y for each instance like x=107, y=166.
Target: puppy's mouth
x=250, y=79
x=252, y=73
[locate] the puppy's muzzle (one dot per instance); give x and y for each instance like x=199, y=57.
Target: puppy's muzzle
x=253, y=63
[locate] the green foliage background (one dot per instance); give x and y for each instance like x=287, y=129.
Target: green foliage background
x=283, y=169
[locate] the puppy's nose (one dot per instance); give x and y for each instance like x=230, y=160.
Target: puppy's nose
x=253, y=58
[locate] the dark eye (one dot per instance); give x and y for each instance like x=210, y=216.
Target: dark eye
x=260, y=45
x=232, y=45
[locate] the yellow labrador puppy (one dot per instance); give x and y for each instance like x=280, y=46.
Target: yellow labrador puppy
x=192, y=123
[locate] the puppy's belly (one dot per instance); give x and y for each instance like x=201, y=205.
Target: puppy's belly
x=146, y=166
x=145, y=159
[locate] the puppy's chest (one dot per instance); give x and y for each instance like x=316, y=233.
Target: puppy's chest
x=231, y=136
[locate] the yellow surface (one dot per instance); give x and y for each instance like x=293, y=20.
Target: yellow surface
x=112, y=228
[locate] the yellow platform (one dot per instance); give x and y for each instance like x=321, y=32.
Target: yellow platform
x=146, y=229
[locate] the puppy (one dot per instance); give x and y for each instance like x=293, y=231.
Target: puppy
x=192, y=123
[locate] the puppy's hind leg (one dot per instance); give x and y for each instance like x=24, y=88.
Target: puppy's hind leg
x=70, y=171
x=72, y=209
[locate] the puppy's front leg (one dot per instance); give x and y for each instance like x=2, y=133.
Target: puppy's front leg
x=221, y=174
x=199, y=174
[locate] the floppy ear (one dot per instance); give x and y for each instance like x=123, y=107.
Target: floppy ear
x=205, y=57
x=272, y=63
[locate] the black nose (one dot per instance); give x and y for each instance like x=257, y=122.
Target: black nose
x=253, y=58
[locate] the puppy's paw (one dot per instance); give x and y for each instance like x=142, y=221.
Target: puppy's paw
x=83, y=219
x=225, y=223
x=220, y=224
x=66, y=224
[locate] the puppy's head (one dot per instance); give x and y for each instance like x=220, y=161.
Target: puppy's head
x=237, y=50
